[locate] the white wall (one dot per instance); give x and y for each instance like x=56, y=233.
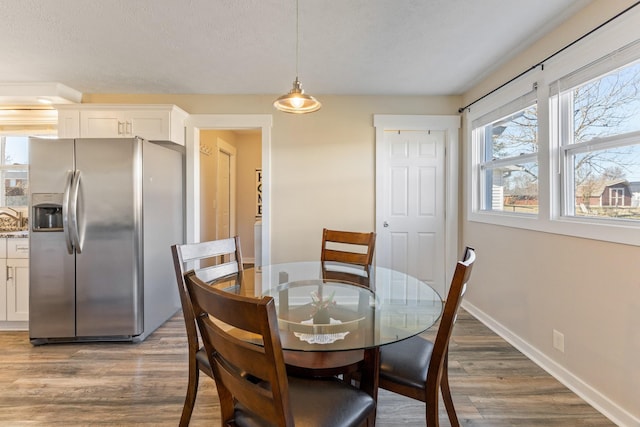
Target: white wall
x=322, y=164
x=528, y=283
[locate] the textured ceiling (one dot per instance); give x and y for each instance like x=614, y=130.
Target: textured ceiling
x=426, y=47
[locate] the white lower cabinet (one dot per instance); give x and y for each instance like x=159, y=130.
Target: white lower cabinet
x=14, y=290
x=17, y=289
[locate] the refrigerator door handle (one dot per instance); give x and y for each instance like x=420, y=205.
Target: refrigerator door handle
x=73, y=208
x=65, y=212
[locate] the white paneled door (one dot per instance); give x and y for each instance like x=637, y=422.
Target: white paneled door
x=226, y=191
x=411, y=183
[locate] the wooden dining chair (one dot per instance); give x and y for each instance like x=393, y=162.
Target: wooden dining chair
x=218, y=259
x=251, y=379
x=347, y=256
x=417, y=367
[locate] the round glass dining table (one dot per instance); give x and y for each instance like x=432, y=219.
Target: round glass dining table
x=321, y=314
x=332, y=316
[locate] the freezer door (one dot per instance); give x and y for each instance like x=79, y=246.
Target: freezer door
x=51, y=266
x=108, y=211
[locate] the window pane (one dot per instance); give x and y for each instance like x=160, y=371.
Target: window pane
x=513, y=188
x=16, y=188
x=14, y=171
x=607, y=182
x=513, y=135
x=512, y=184
x=609, y=105
x=16, y=150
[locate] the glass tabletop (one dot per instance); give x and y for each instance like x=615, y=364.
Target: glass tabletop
x=322, y=312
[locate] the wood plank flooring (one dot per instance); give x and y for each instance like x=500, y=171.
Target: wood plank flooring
x=143, y=384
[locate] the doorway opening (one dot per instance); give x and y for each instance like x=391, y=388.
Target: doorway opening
x=203, y=133
x=228, y=189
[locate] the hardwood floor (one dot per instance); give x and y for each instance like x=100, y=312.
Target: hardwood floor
x=124, y=384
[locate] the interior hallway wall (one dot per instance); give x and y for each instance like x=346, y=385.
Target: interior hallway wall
x=209, y=181
x=249, y=159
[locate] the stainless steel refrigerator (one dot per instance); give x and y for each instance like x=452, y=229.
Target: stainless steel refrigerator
x=103, y=215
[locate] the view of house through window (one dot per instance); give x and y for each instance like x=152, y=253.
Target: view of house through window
x=600, y=125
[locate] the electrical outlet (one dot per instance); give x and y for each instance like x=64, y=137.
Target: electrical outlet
x=558, y=341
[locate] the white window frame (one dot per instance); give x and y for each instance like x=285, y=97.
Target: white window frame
x=561, y=118
x=552, y=195
x=480, y=148
x=24, y=122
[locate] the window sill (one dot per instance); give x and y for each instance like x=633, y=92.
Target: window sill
x=613, y=231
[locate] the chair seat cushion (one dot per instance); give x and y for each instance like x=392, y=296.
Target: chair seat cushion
x=406, y=362
x=203, y=361
x=318, y=402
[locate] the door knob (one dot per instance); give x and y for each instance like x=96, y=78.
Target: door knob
x=385, y=224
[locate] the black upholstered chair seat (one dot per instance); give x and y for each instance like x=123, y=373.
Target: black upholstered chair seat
x=406, y=362
x=318, y=402
x=203, y=360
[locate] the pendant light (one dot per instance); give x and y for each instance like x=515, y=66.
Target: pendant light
x=296, y=101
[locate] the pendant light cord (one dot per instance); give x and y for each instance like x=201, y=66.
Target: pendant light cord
x=296, y=101
x=297, y=38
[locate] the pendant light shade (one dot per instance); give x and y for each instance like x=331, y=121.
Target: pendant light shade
x=296, y=101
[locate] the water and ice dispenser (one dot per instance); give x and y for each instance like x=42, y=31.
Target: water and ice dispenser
x=47, y=211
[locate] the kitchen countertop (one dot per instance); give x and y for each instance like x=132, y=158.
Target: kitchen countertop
x=23, y=234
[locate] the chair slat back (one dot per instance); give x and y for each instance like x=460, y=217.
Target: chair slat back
x=253, y=375
x=215, y=272
x=210, y=251
x=347, y=256
x=348, y=240
x=360, y=277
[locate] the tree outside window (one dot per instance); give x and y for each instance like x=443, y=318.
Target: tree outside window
x=509, y=169
x=602, y=148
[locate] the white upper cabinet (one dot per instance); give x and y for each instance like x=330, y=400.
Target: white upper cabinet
x=152, y=122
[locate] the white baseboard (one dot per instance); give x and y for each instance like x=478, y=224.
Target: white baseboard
x=600, y=402
x=14, y=326
x=248, y=260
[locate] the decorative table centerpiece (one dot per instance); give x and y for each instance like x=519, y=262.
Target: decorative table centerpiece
x=321, y=306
